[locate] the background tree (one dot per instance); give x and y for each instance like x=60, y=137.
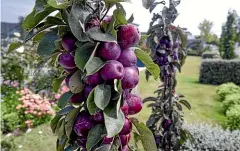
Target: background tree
x=229, y=36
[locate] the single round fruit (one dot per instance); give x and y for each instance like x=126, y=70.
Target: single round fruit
x=68, y=42
x=125, y=139
x=81, y=142
x=134, y=104
x=77, y=98
x=127, y=127
x=128, y=35
x=98, y=117
x=107, y=140
x=94, y=79
x=109, y=51
x=87, y=90
x=83, y=124
x=128, y=58
x=124, y=108
x=66, y=60
x=112, y=70
x=130, y=79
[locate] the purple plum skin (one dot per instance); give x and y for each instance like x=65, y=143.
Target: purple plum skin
x=94, y=79
x=109, y=51
x=66, y=60
x=127, y=127
x=77, y=98
x=134, y=104
x=68, y=42
x=83, y=124
x=128, y=58
x=130, y=79
x=112, y=70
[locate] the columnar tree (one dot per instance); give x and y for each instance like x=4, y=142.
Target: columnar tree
x=167, y=43
x=98, y=63
x=228, y=37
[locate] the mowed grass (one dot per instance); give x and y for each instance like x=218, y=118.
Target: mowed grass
x=202, y=98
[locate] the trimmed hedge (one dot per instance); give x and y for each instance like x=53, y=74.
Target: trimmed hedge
x=217, y=71
x=210, y=55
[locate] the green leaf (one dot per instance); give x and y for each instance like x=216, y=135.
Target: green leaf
x=92, y=108
x=71, y=147
x=92, y=55
x=57, y=83
x=147, y=3
x=110, y=28
x=94, y=136
x=184, y=102
x=83, y=54
x=76, y=18
x=146, y=135
x=120, y=18
x=103, y=148
x=31, y=20
x=61, y=129
x=114, y=120
x=116, y=1
x=102, y=95
x=61, y=143
x=148, y=62
x=54, y=123
x=39, y=36
x=40, y=6
x=96, y=34
x=143, y=37
x=59, y=5
x=14, y=46
x=47, y=44
x=65, y=110
x=76, y=84
x=131, y=19
x=94, y=65
x=64, y=99
x=117, y=85
x=51, y=20
x=70, y=119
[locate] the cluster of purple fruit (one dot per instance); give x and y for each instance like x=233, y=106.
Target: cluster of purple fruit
x=121, y=65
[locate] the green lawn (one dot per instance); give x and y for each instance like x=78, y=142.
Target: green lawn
x=202, y=97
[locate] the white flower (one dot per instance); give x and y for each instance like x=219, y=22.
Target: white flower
x=40, y=132
x=29, y=130
x=20, y=146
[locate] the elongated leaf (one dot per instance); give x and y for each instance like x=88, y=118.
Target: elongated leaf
x=96, y=34
x=146, y=135
x=52, y=20
x=131, y=19
x=143, y=37
x=39, y=36
x=47, y=46
x=14, y=46
x=102, y=95
x=113, y=121
x=61, y=143
x=103, y=148
x=65, y=110
x=59, y=5
x=70, y=119
x=64, y=99
x=40, y=6
x=54, y=122
x=83, y=54
x=92, y=107
x=76, y=84
x=147, y=3
x=61, y=130
x=94, y=65
x=76, y=18
x=120, y=18
x=184, y=102
x=95, y=135
x=152, y=7
x=117, y=85
x=71, y=147
x=148, y=62
x=57, y=83
x=116, y=1
x=148, y=99
x=31, y=20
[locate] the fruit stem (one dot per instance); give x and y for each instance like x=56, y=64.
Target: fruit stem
x=105, y=13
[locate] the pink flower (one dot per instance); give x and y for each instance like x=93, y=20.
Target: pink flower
x=57, y=96
x=7, y=82
x=15, y=84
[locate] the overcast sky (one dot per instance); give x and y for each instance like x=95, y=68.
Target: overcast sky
x=191, y=12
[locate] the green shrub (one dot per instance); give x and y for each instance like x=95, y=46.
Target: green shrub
x=233, y=118
x=211, y=55
x=231, y=100
x=217, y=71
x=226, y=89
x=7, y=144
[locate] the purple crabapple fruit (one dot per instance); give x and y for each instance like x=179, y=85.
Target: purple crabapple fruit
x=109, y=51
x=130, y=79
x=128, y=58
x=77, y=98
x=107, y=140
x=124, y=108
x=68, y=42
x=127, y=127
x=128, y=36
x=87, y=90
x=81, y=142
x=83, y=124
x=125, y=139
x=94, y=79
x=134, y=104
x=98, y=117
x=66, y=60
x=112, y=70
